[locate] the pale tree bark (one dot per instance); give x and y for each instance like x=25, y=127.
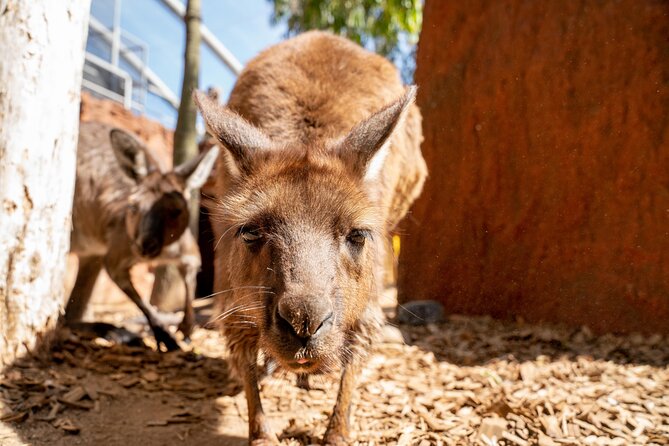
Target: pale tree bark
x=42, y=44
x=168, y=292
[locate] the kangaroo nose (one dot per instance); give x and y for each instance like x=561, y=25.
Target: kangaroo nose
x=306, y=317
x=150, y=247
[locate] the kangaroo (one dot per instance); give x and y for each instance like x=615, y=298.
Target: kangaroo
x=321, y=160
x=127, y=211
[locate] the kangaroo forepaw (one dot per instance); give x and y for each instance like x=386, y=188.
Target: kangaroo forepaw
x=335, y=439
x=265, y=440
x=164, y=338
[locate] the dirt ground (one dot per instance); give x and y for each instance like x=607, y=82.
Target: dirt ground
x=466, y=381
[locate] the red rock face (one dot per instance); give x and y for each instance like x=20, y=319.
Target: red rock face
x=152, y=133
x=547, y=140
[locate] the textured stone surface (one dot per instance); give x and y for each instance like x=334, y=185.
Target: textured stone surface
x=420, y=312
x=546, y=138
x=151, y=132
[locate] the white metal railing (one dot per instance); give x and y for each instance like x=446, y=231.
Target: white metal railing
x=209, y=39
x=159, y=87
x=137, y=77
x=126, y=98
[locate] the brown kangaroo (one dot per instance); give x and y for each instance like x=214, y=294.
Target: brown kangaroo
x=322, y=159
x=127, y=211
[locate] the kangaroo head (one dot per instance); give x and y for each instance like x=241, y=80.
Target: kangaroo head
x=157, y=207
x=300, y=228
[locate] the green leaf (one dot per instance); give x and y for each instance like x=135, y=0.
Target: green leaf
x=392, y=26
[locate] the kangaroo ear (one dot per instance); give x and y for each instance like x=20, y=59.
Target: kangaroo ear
x=196, y=171
x=366, y=146
x=241, y=140
x=132, y=156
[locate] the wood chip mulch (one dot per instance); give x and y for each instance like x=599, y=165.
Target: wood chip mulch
x=33, y=390
x=466, y=381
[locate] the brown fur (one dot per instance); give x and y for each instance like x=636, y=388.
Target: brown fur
x=325, y=164
x=127, y=211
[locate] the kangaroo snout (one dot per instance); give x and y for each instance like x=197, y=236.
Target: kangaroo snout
x=304, y=316
x=150, y=247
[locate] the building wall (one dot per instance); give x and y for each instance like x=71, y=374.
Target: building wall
x=547, y=139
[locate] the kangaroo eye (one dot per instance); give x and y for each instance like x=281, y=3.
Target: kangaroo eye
x=132, y=207
x=357, y=237
x=250, y=235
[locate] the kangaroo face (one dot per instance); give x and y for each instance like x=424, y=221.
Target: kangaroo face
x=157, y=214
x=303, y=235
x=157, y=208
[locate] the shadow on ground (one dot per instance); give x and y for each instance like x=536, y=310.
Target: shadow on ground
x=92, y=392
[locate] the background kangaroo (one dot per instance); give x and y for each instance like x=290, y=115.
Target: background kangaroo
x=127, y=211
x=322, y=160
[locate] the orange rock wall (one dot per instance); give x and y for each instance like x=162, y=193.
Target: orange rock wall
x=151, y=132
x=547, y=139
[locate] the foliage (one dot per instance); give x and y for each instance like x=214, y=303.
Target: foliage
x=389, y=27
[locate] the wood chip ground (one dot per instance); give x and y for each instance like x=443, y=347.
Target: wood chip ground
x=467, y=381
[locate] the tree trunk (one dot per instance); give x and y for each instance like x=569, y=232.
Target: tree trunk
x=42, y=45
x=168, y=292
x=185, y=135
